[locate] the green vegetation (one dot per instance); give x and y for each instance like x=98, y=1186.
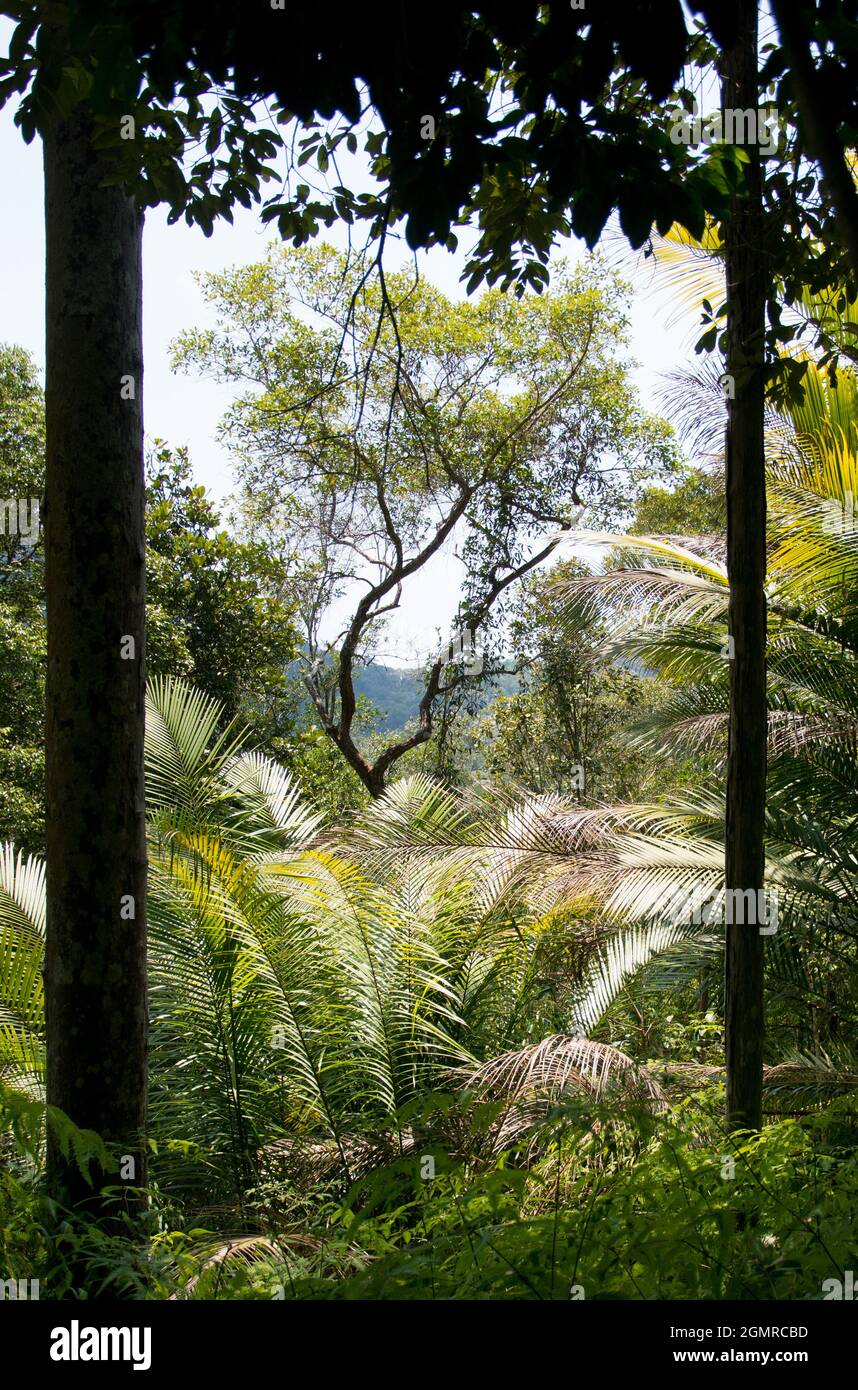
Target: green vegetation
x=529, y=973
x=468, y=1043
x=466, y=1039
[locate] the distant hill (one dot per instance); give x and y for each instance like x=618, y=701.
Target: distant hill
x=397, y=692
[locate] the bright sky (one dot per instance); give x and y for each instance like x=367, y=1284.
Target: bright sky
x=186, y=410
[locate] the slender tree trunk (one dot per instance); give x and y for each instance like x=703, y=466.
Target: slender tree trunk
x=746, y=560
x=95, y=967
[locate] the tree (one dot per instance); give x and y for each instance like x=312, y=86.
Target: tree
x=821, y=51
x=694, y=507
x=22, y=625
x=95, y=964
x=219, y=609
x=371, y=441
x=749, y=279
x=566, y=729
x=216, y=607
x=667, y=606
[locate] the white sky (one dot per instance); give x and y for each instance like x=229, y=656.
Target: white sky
x=186, y=410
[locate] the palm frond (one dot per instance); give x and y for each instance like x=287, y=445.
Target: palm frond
x=563, y=1064
x=22, y=932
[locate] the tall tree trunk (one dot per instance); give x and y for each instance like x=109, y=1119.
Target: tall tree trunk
x=746, y=561
x=95, y=966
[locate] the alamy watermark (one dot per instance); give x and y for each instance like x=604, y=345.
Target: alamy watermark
x=76, y=1343
x=731, y=127
x=26, y=1290
x=463, y=651
x=19, y=516
x=754, y=907
x=840, y=1290
x=841, y=516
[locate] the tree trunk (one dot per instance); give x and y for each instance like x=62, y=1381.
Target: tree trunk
x=95, y=966
x=746, y=561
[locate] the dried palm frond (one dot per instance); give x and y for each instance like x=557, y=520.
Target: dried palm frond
x=244, y=1250
x=802, y=1079
x=560, y=1064
x=308, y=1159
x=805, y=1079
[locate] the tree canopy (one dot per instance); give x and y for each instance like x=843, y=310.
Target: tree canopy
x=371, y=440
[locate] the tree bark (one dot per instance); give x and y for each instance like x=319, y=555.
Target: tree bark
x=746, y=562
x=95, y=964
